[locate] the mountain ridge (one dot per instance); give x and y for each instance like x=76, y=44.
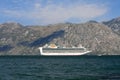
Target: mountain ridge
x=101, y=38
x=114, y=24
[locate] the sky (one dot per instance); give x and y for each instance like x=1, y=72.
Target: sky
x=44, y=12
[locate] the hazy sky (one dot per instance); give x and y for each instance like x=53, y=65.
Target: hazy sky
x=42, y=12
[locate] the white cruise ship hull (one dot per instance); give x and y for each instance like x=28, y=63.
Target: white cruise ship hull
x=62, y=51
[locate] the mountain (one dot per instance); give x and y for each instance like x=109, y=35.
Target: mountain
x=114, y=24
x=94, y=36
x=16, y=39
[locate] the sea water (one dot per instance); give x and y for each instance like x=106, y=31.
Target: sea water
x=60, y=68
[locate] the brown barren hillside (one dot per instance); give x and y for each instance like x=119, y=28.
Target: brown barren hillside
x=16, y=39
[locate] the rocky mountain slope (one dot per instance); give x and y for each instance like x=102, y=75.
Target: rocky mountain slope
x=94, y=36
x=114, y=24
x=16, y=39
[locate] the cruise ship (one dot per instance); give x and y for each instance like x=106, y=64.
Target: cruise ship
x=53, y=50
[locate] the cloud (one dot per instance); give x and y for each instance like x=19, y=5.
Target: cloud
x=54, y=13
x=12, y=13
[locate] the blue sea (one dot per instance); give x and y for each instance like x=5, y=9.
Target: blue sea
x=60, y=68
